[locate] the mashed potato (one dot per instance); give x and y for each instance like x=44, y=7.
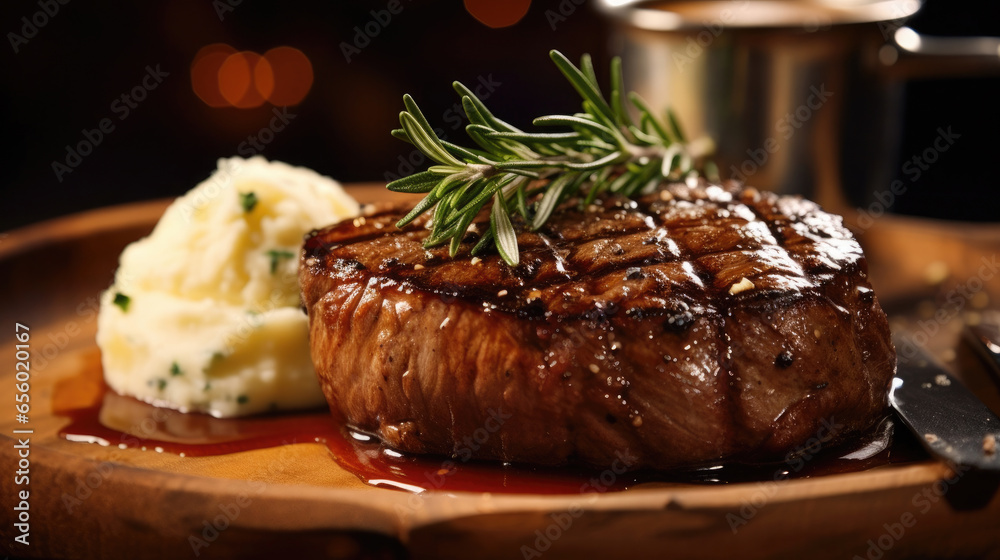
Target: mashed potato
x=204, y=314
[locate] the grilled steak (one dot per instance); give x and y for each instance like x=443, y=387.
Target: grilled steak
x=693, y=325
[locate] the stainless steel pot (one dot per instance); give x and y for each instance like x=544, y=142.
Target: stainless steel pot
x=800, y=97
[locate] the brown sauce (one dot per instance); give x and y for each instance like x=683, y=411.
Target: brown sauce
x=98, y=415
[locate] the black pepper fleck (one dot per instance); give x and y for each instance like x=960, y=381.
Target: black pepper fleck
x=679, y=318
x=784, y=359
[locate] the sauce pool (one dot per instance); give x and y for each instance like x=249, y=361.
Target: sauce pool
x=98, y=415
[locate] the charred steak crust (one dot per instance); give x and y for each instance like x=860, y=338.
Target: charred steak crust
x=695, y=324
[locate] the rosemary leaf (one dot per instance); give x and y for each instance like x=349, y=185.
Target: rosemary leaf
x=648, y=117
x=579, y=123
x=417, y=183
x=503, y=231
x=675, y=126
x=585, y=85
x=597, y=164
x=483, y=243
x=473, y=100
x=618, y=94
x=550, y=200
x=421, y=207
x=426, y=143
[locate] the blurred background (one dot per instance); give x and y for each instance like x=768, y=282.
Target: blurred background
x=104, y=103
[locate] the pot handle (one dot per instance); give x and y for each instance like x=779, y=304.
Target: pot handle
x=911, y=55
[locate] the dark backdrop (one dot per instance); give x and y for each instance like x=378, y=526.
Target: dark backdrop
x=64, y=79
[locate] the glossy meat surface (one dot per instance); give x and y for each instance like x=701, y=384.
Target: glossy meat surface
x=693, y=325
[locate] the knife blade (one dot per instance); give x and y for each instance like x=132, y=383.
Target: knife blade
x=985, y=339
x=949, y=420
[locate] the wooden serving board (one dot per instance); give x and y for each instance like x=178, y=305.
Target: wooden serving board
x=104, y=502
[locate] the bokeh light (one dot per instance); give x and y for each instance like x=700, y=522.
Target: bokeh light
x=223, y=77
x=205, y=73
x=293, y=75
x=497, y=13
x=237, y=80
x=263, y=77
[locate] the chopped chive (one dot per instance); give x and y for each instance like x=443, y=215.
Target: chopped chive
x=175, y=369
x=122, y=301
x=242, y=399
x=276, y=256
x=161, y=384
x=248, y=201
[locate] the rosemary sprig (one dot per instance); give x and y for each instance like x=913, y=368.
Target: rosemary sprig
x=531, y=174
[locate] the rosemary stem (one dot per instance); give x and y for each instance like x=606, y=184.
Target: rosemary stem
x=532, y=174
